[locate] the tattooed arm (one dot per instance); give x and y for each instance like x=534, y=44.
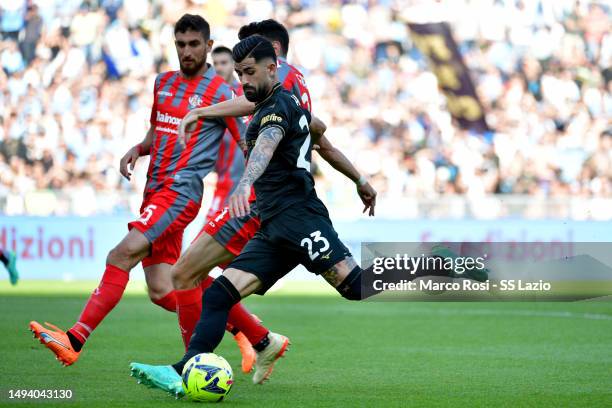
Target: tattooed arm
x=267, y=141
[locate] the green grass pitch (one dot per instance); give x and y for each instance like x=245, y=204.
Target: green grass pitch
x=343, y=353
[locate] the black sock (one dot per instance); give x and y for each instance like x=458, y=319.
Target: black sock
x=356, y=279
x=358, y=284
x=217, y=300
x=263, y=343
x=76, y=344
x=3, y=258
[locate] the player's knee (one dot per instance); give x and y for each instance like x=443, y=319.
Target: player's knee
x=158, y=291
x=221, y=295
x=122, y=253
x=112, y=255
x=350, y=288
x=155, y=296
x=181, y=279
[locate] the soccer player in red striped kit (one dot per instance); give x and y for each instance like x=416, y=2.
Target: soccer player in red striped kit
x=172, y=195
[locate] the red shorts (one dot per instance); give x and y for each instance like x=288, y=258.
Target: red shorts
x=232, y=233
x=164, y=215
x=218, y=202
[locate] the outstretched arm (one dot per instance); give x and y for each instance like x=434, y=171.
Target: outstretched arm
x=317, y=128
x=267, y=141
x=341, y=163
x=238, y=106
x=234, y=107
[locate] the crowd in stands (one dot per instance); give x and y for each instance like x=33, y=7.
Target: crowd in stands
x=77, y=78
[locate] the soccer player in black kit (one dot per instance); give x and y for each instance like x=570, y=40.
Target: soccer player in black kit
x=295, y=225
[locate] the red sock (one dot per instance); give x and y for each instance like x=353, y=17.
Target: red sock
x=101, y=302
x=168, y=302
x=243, y=320
x=188, y=309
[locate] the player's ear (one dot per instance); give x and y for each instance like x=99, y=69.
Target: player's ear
x=272, y=68
x=209, y=45
x=277, y=47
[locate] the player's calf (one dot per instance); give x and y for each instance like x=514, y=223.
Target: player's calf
x=159, y=286
x=345, y=277
x=183, y=275
x=350, y=288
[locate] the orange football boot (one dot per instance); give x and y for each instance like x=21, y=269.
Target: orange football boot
x=57, y=341
x=247, y=351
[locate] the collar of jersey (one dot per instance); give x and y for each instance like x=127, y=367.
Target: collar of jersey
x=208, y=74
x=275, y=89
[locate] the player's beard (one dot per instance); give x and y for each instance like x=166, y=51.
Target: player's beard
x=255, y=94
x=193, y=68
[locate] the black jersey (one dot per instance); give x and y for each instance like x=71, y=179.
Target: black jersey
x=287, y=179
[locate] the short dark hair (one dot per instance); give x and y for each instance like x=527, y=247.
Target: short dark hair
x=222, y=49
x=193, y=22
x=254, y=46
x=270, y=29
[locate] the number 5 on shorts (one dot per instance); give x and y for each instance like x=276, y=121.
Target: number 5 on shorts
x=147, y=213
x=308, y=243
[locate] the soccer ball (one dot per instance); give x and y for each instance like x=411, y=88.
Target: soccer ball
x=207, y=377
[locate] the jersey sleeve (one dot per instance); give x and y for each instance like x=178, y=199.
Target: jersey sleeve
x=236, y=127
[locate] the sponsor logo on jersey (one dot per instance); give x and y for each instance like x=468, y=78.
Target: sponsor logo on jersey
x=194, y=101
x=165, y=118
x=270, y=118
x=164, y=93
x=164, y=129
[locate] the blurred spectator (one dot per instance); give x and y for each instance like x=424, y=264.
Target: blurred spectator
x=32, y=31
x=11, y=58
x=12, y=18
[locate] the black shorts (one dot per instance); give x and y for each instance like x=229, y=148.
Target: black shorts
x=301, y=234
